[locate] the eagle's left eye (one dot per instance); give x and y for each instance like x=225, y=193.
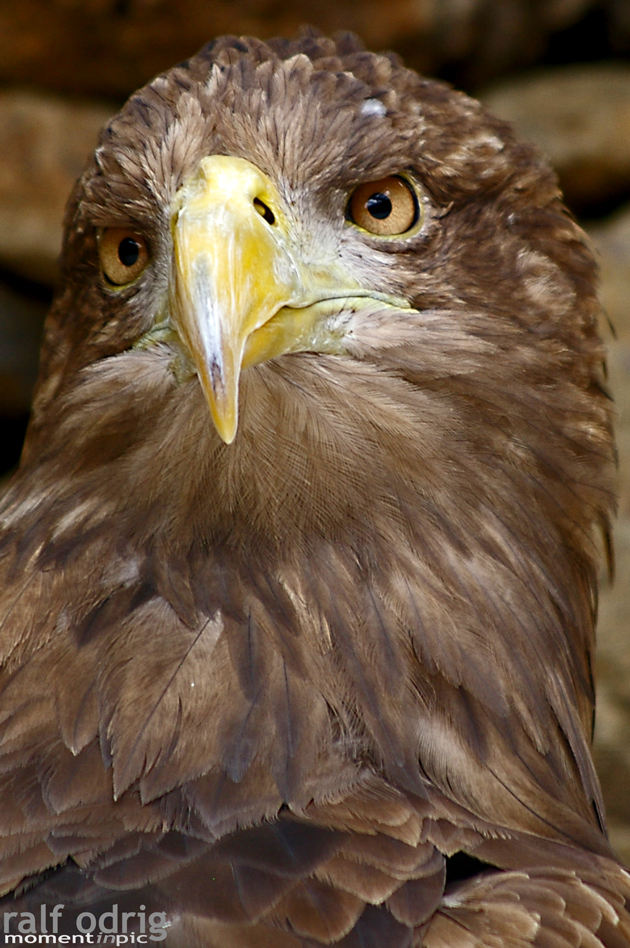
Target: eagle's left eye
x=386, y=207
x=123, y=254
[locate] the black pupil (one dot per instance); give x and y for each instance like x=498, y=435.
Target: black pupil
x=379, y=205
x=128, y=251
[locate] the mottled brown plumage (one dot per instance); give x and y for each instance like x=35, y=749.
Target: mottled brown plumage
x=329, y=683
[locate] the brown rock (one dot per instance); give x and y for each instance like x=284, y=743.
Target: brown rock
x=579, y=116
x=21, y=323
x=44, y=143
x=109, y=47
x=612, y=243
x=20, y=330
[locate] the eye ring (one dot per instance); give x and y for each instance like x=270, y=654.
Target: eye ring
x=123, y=254
x=388, y=207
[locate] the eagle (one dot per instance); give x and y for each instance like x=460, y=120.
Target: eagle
x=299, y=569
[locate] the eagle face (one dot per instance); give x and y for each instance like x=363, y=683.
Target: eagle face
x=308, y=515
x=466, y=279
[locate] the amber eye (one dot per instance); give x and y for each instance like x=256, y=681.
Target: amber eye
x=123, y=254
x=384, y=207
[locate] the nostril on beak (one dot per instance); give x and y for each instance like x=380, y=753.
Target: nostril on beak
x=264, y=211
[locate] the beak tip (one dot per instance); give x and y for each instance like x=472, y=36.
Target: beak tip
x=225, y=423
x=227, y=437
x=222, y=401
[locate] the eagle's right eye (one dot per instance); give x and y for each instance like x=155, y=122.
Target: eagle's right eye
x=386, y=208
x=123, y=254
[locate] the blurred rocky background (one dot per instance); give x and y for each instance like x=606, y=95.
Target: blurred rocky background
x=558, y=69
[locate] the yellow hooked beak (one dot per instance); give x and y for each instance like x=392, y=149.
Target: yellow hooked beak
x=240, y=294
